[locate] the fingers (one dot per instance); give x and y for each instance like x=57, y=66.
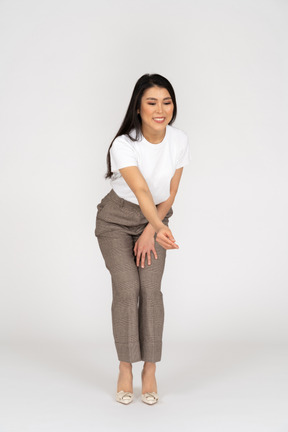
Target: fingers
x=166, y=239
x=143, y=259
x=142, y=255
x=145, y=245
x=170, y=238
x=138, y=258
x=155, y=253
x=166, y=245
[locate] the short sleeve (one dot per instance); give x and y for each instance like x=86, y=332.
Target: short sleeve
x=184, y=156
x=123, y=154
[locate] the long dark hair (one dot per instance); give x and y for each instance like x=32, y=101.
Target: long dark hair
x=132, y=120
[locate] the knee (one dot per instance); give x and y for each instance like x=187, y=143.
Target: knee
x=150, y=291
x=125, y=289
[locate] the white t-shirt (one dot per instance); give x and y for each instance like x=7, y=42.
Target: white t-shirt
x=157, y=162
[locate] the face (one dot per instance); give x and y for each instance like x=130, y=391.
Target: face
x=156, y=109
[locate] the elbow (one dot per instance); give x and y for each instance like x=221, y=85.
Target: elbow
x=140, y=192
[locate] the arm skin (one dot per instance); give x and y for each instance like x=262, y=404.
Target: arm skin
x=138, y=185
x=145, y=243
x=164, y=207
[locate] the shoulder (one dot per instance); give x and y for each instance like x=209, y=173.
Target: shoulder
x=177, y=134
x=178, y=139
x=123, y=142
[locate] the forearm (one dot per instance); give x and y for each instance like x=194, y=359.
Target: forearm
x=162, y=210
x=150, y=211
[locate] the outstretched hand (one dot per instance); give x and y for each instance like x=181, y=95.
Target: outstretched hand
x=145, y=245
x=165, y=238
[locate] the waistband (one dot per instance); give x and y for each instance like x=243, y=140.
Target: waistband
x=122, y=202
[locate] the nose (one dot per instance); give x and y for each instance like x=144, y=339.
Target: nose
x=159, y=107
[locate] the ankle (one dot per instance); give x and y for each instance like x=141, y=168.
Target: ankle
x=125, y=366
x=149, y=367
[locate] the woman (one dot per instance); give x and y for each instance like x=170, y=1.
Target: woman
x=145, y=162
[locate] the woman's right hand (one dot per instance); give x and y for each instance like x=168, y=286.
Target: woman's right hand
x=165, y=238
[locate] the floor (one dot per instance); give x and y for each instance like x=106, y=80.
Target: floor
x=211, y=387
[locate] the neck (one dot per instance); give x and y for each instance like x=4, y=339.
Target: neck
x=154, y=137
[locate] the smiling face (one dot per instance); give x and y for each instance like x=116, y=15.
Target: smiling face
x=156, y=111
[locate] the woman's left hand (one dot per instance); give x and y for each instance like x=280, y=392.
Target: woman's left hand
x=144, y=245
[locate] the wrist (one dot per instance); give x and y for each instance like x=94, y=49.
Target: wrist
x=149, y=229
x=160, y=226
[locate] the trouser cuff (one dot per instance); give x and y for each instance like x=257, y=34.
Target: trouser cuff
x=151, y=351
x=128, y=352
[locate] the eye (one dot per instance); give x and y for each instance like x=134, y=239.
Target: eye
x=165, y=103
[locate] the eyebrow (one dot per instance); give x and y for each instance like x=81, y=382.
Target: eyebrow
x=157, y=99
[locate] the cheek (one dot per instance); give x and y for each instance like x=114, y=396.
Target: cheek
x=146, y=111
x=170, y=110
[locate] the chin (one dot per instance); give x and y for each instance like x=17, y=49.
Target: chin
x=159, y=125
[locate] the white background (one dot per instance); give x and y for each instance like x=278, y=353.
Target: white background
x=67, y=73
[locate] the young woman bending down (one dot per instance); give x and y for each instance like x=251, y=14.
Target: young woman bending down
x=145, y=162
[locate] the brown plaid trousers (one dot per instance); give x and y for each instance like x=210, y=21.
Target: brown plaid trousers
x=137, y=307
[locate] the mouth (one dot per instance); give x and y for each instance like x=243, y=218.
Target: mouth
x=159, y=119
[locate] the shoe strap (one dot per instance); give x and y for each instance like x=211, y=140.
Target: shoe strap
x=151, y=394
x=125, y=395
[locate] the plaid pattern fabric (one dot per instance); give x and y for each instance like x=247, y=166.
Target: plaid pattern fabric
x=137, y=307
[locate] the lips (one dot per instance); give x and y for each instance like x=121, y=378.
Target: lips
x=159, y=119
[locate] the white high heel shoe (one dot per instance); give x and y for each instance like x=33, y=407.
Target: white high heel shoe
x=149, y=397
x=124, y=397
